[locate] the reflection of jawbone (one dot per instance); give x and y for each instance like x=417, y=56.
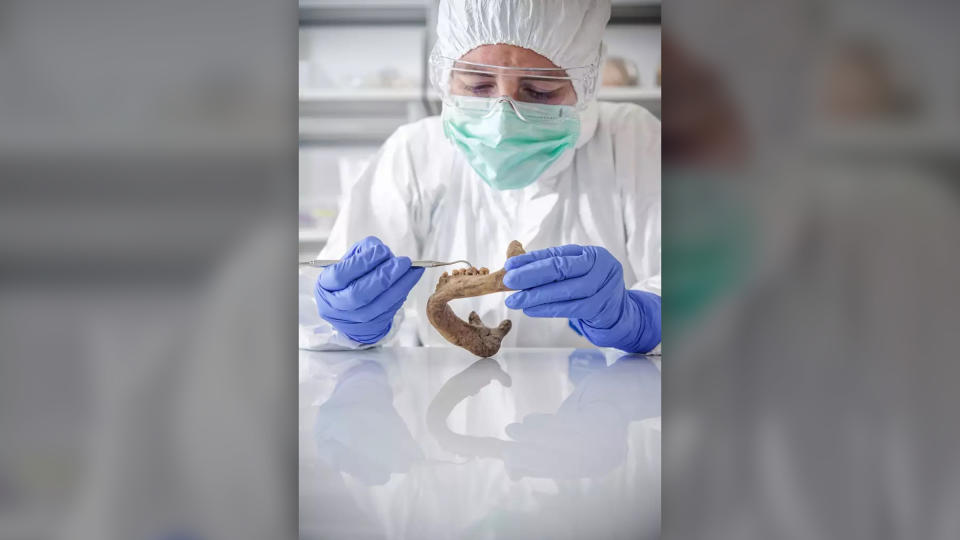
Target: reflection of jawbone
x=418, y=504
x=459, y=387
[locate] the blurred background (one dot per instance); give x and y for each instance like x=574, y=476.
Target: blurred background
x=362, y=74
x=149, y=203
x=811, y=192
x=147, y=233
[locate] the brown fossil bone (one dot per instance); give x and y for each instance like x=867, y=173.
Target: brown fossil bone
x=472, y=335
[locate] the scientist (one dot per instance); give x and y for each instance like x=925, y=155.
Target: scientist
x=522, y=150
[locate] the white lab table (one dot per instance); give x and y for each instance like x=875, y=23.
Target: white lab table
x=430, y=443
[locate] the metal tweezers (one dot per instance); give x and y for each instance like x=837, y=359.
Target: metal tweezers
x=422, y=264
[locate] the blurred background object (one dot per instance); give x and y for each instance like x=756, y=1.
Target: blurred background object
x=859, y=84
x=811, y=194
x=362, y=75
x=619, y=71
x=147, y=189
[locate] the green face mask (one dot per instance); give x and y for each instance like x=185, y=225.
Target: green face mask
x=508, y=143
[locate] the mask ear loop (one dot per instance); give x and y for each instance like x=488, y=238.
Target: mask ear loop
x=508, y=100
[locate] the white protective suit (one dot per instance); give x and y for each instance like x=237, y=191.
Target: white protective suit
x=422, y=199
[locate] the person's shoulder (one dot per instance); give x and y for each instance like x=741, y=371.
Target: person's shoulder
x=632, y=136
x=627, y=116
x=629, y=124
x=418, y=146
x=424, y=131
x=412, y=143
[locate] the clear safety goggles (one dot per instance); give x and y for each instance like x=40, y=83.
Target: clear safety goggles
x=482, y=108
x=574, y=86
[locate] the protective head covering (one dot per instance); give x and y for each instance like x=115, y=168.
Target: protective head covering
x=566, y=32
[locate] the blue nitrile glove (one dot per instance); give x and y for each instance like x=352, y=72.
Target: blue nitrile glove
x=584, y=284
x=360, y=294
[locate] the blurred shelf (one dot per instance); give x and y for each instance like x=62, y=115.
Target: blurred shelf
x=361, y=95
x=392, y=95
x=348, y=131
x=313, y=236
x=904, y=140
x=629, y=93
x=356, y=12
x=635, y=13
x=349, y=116
x=369, y=116
x=648, y=98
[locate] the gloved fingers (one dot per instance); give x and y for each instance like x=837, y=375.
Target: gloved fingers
x=361, y=258
x=529, y=257
x=343, y=320
x=369, y=323
x=406, y=283
x=366, y=332
x=365, y=289
x=391, y=299
x=601, y=310
x=570, y=309
x=367, y=314
x=576, y=288
x=601, y=307
x=608, y=311
x=550, y=270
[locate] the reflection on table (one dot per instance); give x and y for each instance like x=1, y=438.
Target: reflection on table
x=434, y=443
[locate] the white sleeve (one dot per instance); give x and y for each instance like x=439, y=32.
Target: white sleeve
x=641, y=198
x=384, y=202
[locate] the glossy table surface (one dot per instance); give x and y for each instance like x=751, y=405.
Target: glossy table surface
x=426, y=443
